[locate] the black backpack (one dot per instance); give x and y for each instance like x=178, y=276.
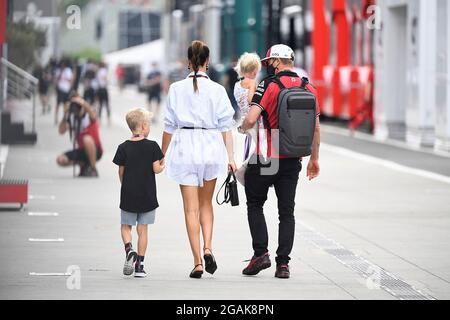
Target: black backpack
x=296, y=114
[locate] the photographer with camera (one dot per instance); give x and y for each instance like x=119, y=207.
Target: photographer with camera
x=81, y=122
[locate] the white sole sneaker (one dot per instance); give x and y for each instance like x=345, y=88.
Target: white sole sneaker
x=128, y=267
x=140, y=274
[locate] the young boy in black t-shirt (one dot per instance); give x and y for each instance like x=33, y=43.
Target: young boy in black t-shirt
x=138, y=160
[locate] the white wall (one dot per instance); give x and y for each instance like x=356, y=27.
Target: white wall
x=411, y=61
x=442, y=78
x=420, y=115
x=391, y=72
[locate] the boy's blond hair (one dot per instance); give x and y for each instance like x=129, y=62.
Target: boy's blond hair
x=248, y=62
x=136, y=117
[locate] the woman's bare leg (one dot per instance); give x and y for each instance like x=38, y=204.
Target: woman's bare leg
x=192, y=212
x=206, y=212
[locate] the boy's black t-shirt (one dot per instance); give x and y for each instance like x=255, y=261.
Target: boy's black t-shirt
x=138, y=192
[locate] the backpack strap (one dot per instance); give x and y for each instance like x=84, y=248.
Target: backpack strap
x=277, y=80
x=264, y=114
x=305, y=82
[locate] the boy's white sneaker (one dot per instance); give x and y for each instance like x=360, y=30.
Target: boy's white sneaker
x=128, y=267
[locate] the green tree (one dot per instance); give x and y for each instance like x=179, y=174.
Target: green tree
x=87, y=53
x=24, y=43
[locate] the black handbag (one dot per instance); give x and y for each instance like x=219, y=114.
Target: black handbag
x=231, y=192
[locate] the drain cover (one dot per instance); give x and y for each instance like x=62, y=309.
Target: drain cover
x=377, y=275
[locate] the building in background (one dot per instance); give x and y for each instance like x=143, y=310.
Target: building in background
x=328, y=37
x=412, y=64
x=111, y=25
x=229, y=27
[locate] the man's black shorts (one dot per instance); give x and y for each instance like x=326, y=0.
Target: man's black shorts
x=79, y=155
x=62, y=97
x=154, y=95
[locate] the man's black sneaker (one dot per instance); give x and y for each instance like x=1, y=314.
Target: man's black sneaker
x=257, y=264
x=282, y=271
x=130, y=260
x=139, y=271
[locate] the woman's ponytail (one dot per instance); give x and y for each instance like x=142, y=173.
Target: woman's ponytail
x=198, y=53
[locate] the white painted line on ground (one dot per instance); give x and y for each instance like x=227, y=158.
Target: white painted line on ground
x=50, y=274
x=40, y=197
x=43, y=214
x=46, y=240
x=99, y=270
x=386, y=163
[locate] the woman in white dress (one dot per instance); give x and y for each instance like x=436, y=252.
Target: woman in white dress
x=198, y=123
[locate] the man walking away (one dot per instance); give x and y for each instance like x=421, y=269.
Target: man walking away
x=279, y=63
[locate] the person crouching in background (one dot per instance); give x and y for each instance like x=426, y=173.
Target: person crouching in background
x=81, y=122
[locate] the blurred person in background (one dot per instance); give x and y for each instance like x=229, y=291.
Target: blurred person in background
x=52, y=68
x=120, y=76
x=45, y=79
x=154, y=87
x=77, y=70
x=81, y=122
x=89, y=79
x=64, y=83
x=230, y=79
x=177, y=72
x=365, y=110
x=103, y=93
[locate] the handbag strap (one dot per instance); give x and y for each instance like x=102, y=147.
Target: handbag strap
x=227, y=196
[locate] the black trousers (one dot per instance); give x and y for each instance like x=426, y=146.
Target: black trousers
x=257, y=184
x=103, y=100
x=89, y=95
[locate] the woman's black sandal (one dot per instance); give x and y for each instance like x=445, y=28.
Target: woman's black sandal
x=196, y=274
x=210, y=262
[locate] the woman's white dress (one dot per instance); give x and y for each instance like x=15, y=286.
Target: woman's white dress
x=197, y=155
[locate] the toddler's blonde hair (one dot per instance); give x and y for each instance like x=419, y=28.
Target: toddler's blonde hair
x=248, y=62
x=135, y=117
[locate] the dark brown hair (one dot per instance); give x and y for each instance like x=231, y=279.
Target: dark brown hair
x=198, y=53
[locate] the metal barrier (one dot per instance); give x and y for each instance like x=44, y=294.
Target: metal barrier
x=18, y=84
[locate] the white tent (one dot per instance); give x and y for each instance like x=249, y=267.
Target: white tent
x=143, y=55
